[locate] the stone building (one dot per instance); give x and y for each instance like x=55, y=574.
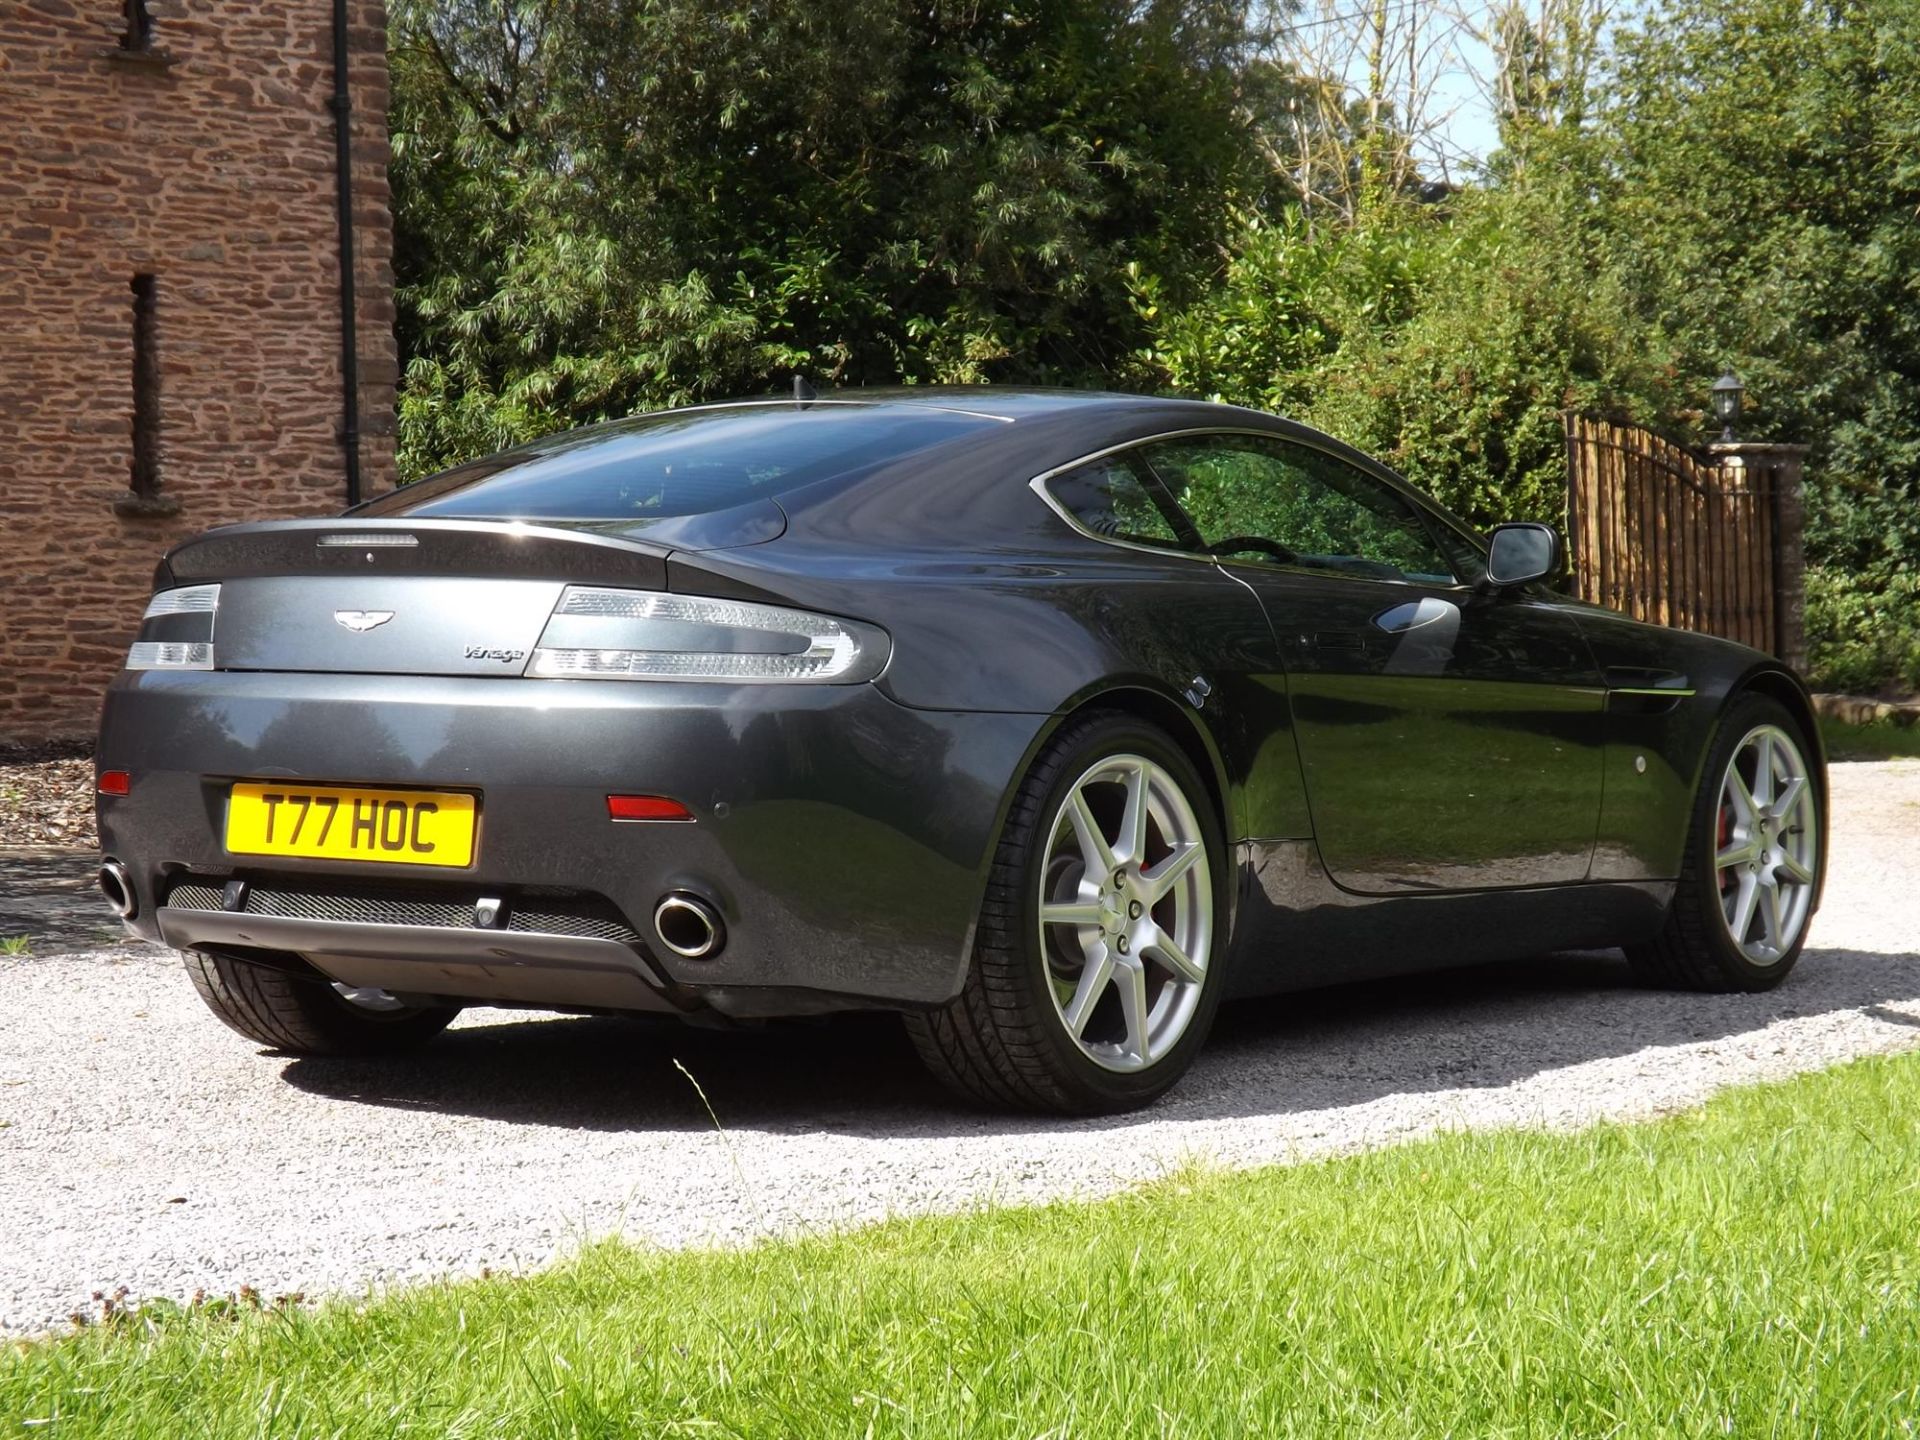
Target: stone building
x=173, y=328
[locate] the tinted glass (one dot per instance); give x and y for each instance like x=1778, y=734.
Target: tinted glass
x=1254, y=499
x=1469, y=561
x=1108, y=498
x=685, y=462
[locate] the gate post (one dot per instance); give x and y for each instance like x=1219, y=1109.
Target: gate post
x=1774, y=474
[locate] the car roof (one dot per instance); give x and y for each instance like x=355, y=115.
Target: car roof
x=1048, y=428
x=997, y=402
x=1028, y=430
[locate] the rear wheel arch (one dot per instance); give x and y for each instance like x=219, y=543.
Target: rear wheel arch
x=1140, y=702
x=994, y=1041
x=1180, y=725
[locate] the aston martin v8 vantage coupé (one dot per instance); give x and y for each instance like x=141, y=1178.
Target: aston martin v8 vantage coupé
x=1048, y=720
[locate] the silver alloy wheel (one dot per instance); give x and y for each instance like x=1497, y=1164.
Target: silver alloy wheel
x=1766, y=844
x=1126, y=912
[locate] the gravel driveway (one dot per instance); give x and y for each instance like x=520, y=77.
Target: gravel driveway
x=144, y=1145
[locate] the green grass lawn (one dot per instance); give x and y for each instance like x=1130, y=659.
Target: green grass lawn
x=1748, y=1269
x=1869, y=742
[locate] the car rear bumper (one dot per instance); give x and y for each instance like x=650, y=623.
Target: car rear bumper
x=841, y=838
x=564, y=971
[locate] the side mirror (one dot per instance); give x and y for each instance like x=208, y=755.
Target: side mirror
x=1522, y=553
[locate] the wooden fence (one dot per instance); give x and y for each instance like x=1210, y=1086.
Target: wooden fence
x=1705, y=541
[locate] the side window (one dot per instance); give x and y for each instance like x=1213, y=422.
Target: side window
x=1107, y=497
x=1255, y=499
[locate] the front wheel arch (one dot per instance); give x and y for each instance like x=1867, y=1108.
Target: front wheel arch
x=1694, y=949
x=1785, y=689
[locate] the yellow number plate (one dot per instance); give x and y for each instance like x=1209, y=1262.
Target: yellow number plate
x=393, y=827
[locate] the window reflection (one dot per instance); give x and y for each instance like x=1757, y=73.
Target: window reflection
x=1259, y=499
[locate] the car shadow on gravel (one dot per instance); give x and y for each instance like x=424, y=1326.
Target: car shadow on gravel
x=51, y=897
x=1486, y=1027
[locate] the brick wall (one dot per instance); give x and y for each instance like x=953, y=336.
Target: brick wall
x=212, y=170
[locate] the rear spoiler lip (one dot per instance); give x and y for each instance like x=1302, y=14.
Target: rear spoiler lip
x=487, y=548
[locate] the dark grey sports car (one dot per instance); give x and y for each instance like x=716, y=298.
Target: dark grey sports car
x=1048, y=720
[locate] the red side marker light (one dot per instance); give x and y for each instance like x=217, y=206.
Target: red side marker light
x=114, y=782
x=646, y=807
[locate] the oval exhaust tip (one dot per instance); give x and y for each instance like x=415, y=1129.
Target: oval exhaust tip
x=688, y=926
x=117, y=885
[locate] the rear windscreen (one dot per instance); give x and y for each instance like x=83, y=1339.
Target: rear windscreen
x=686, y=462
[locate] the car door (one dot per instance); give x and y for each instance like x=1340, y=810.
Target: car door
x=1185, y=619
x=1450, y=735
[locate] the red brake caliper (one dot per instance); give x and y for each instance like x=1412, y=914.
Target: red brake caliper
x=1725, y=834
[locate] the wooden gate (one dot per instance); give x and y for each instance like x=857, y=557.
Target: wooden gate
x=1703, y=541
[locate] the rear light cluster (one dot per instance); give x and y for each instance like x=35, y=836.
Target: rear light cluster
x=176, y=633
x=605, y=634
x=597, y=633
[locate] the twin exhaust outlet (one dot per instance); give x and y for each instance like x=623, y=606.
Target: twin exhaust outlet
x=117, y=885
x=689, y=926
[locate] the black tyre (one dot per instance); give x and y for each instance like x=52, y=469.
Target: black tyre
x=1754, y=858
x=1095, y=972
x=308, y=1017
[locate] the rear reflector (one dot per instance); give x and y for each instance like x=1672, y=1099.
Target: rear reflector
x=646, y=807
x=114, y=782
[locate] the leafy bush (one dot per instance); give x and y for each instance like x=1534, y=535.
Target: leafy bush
x=607, y=207
x=1447, y=341
x=1863, y=632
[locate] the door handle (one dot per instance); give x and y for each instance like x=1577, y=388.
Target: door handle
x=1414, y=614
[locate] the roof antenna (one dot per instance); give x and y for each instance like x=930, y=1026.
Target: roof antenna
x=802, y=391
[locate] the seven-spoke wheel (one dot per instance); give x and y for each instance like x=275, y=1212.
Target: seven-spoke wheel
x=1751, y=874
x=1093, y=977
x=1126, y=905
x=1768, y=833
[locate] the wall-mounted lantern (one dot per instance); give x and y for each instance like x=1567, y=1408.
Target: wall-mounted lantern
x=1727, y=394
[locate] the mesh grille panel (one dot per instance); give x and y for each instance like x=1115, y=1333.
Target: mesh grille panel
x=555, y=922
x=194, y=897
x=357, y=909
